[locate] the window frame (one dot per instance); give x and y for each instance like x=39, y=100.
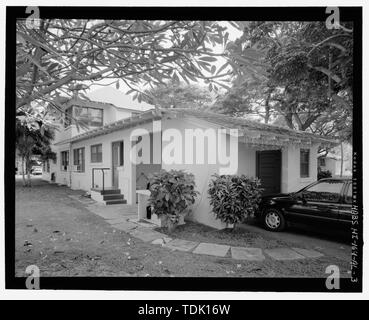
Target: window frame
x=72, y=114
x=97, y=159
x=121, y=153
x=304, y=175
x=64, y=161
x=340, y=193
x=77, y=161
x=89, y=116
x=68, y=119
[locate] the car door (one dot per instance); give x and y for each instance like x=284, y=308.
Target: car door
x=318, y=202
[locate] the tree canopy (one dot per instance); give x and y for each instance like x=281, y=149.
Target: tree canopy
x=180, y=95
x=64, y=56
x=301, y=71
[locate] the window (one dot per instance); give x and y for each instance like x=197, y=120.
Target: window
x=64, y=160
x=48, y=166
x=81, y=115
x=121, y=153
x=68, y=117
x=96, y=153
x=84, y=115
x=304, y=163
x=89, y=116
x=95, y=117
x=79, y=159
x=348, y=197
x=327, y=191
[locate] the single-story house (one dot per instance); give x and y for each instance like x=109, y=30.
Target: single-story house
x=201, y=143
x=332, y=162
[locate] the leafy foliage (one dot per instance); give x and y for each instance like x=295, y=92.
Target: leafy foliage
x=324, y=174
x=66, y=56
x=32, y=137
x=234, y=198
x=172, y=193
x=179, y=95
x=301, y=71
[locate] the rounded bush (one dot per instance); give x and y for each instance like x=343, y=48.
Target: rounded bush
x=234, y=198
x=324, y=174
x=172, y=193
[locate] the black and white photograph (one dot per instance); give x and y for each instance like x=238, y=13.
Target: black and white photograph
x=188, y=148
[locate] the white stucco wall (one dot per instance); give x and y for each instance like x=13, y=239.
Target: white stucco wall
x=332, y=165
x=291, y=180
x=201, y=210
x=61, y=177
x=112, y=114
x=127, y=176
x=290, y=175
x=246, y=160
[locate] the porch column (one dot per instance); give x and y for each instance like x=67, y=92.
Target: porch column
x=286, y=163
x=127, y=175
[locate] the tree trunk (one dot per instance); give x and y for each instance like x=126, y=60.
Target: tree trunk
x=289, y=122
x=23, y=173
x=267, y=109
x=341, y=159
x=28, y=171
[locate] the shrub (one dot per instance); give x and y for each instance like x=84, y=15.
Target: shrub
x=324, y=174
x=172, y=192
x=234, y=198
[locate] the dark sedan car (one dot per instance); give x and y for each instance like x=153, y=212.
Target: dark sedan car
x=327, y=201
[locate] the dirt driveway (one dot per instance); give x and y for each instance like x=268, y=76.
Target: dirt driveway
x=62, y=237
x=327, y=242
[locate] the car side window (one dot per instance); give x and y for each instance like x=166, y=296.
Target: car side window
x=325, y=191
x=348, y=196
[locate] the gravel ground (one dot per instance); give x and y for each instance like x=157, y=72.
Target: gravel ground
x=240, y=238
x=60, y=236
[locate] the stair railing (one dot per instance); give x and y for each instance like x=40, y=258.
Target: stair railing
x=103, y=177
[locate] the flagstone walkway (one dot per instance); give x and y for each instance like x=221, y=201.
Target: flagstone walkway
x=124, y=217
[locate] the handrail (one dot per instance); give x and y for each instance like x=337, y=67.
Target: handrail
x=103, y=178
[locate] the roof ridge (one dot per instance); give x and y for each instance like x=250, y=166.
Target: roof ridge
x=251, y=122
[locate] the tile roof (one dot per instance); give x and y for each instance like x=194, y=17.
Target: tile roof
x=232, y=122
x=219, y=120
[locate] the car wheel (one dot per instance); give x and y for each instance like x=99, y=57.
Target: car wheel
x=274, y=220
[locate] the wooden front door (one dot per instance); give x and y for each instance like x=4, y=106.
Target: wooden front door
x=268, y=170
x=117, y=161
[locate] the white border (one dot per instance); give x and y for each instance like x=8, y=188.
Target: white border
x=147, y=295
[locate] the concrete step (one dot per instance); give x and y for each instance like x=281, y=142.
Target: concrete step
x=110, y=191
x=113, y=196
x=116, y=201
